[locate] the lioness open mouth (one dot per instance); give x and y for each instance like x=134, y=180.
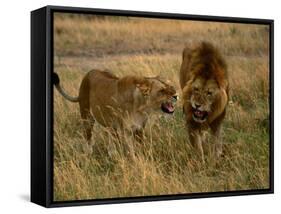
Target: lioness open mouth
x=199, y=116
x=168, y=107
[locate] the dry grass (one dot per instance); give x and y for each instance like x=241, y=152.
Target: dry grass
x=165, y=163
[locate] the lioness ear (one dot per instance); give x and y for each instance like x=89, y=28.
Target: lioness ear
x=144, y=87
x=163, y=79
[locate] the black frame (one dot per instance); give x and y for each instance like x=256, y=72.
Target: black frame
x=42, y=105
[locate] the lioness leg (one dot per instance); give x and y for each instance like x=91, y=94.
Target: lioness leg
x=84, y=103
x=139, y=135
x=87, y=118
x=126, y=139
x=196, y=142
x=88, y=122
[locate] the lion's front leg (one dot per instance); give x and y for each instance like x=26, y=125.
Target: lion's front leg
x=196, y=142
x=216, y=136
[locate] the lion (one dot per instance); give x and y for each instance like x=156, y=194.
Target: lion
x=120, y=103
x=205, y=88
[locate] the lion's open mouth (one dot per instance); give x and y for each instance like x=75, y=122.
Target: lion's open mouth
x=168, y=107
x=199, y=116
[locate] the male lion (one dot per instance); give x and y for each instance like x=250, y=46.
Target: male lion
x=204, y=82
x=120, y=103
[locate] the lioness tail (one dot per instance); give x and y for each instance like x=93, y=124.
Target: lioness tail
x=56, y=81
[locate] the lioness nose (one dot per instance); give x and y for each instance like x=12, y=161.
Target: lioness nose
x=197, y=105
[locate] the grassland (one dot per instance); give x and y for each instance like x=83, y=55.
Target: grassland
x=165, y=163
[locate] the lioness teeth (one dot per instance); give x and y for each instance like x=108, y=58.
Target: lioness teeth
x=168, y=107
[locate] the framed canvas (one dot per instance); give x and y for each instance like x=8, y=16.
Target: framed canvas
x=131, y=106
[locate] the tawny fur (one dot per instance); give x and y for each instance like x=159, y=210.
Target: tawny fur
x=119, y=103
x=204, y=82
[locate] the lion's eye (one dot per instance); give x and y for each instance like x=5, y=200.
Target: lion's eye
x=196, y=89
x=209, y=93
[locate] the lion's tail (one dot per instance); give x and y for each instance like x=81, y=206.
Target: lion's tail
x=56, y=81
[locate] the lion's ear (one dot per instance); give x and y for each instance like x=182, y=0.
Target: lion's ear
x=144, y=87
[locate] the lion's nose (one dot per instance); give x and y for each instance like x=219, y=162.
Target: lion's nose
x=197, y=105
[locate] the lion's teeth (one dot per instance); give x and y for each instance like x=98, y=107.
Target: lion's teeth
x=199, y=113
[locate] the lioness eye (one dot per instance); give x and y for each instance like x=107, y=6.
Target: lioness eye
x=195, y=89
x=209, y=93
x=162, y=91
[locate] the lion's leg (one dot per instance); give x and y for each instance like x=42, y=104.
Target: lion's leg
x=216, y=129
x=204, y=137
x=216, y=136
x=196, y=142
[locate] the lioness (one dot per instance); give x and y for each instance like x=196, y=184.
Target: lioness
x=120, y=103
x=204, y=83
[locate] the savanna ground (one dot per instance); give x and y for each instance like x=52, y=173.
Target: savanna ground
x=165, y=163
